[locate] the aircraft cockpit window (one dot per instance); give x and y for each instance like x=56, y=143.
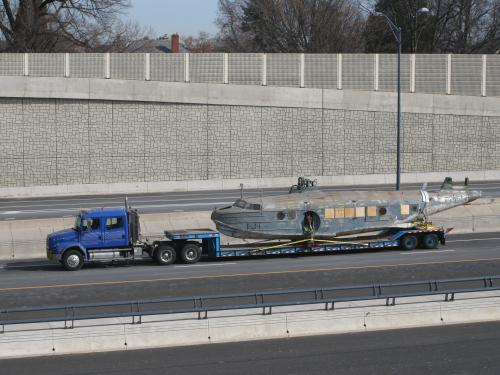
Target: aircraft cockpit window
x=252, y=206
x=240, y=203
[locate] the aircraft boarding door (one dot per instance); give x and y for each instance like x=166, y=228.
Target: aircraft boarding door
x=91, y=233
x=114, y=232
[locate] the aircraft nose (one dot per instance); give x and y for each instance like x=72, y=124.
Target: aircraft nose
x=215, y=215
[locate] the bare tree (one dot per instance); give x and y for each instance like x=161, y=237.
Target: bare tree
x=451, y=26
x=64, y=25
x=290, y=25
x=203, y=43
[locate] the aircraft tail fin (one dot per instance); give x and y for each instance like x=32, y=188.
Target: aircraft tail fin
x=448, y=184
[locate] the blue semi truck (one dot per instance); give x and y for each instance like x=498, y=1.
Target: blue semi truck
x=108, y=235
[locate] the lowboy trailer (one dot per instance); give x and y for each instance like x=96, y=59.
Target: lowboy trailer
x=110, y=235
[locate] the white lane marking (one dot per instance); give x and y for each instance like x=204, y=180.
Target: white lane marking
x=10, y=218
x=210, y=204
x=427, y=251
x=204, y=265
x=11, y=212
x=110, y=202
x=474, y=239
x=178, y=210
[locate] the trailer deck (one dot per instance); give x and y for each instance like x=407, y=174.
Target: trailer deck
x=212, y=248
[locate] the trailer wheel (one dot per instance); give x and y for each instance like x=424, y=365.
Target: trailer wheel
x=165, y=255
x=409, y=242
x=72, y=260
x=190, y=253
x=430, y=241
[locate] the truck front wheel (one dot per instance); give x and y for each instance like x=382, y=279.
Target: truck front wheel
x=72, y=260
x=190, y=253
x=165, y=254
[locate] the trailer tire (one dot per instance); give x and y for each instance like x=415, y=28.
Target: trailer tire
x=165, y=255
x=430, y=241
x=190, y=253
x=409, y=242
x=72, y=260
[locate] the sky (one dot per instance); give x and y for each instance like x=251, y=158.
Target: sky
x=186, y=17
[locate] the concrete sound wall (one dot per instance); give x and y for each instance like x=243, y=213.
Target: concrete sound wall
x=135, y=132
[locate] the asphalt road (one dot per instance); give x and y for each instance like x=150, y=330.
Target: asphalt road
x=460, y=349
x=24, y=284
x=31, y=208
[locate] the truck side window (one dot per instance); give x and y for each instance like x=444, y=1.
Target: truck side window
x=90, y=224
x=114, y=223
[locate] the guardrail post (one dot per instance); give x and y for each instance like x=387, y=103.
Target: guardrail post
x=448, y=75
x=375, y=72
x=264, y=69
x=147, y=66
x=483, y=80
x=66, y=65
x=226, y=68
x=339, y=71
x=26, y=71
x=302, y=70
x=186, y=67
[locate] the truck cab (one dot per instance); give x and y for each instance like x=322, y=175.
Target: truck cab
x=105, y=234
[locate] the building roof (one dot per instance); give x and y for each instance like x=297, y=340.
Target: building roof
x=162, y=44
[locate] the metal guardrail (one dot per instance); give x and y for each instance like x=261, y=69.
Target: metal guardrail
x=264, y=300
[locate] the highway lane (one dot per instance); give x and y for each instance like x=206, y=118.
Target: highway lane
x=31, y=208
x=460, y=349
x=41, y=283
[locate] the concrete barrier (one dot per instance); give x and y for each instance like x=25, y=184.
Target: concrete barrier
x=230, y=326
x=25, y=239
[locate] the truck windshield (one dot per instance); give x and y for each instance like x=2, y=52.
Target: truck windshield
x=78, y=223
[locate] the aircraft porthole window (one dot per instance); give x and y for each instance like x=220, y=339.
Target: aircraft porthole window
x=281, y=215
x=291, y=215
x=382, y=211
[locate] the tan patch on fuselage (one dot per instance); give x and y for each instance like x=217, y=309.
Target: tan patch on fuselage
x=349, y=212
x=371, y=211
x=405, y=209
x=329, y=213
x=360, y=211
x=339, y=212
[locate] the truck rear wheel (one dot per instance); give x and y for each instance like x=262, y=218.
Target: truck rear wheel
x=409, y=242
x=190, y=253
x=430, y=241
x=72, y=260
x=165, y=254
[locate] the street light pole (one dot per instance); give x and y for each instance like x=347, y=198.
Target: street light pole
x=396, y=31
x=398, y=133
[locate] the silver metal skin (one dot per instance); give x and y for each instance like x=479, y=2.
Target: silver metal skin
x=311, y=212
